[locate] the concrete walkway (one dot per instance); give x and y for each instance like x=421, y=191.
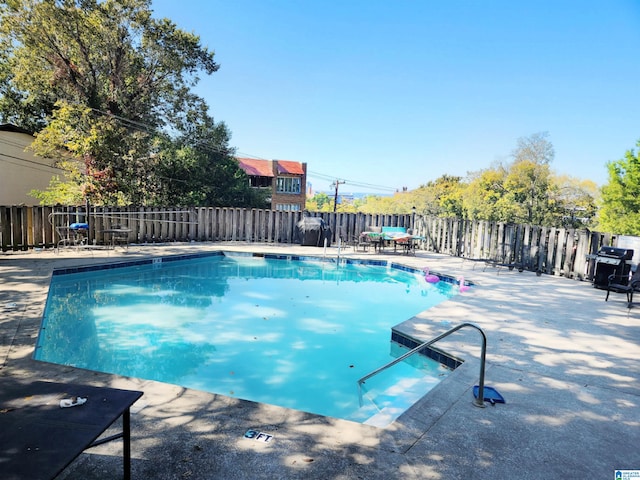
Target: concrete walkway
x=567, y=363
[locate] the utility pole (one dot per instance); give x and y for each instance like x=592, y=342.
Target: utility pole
x=335, y=198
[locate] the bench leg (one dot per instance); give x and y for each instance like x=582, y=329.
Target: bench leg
x=126, y=444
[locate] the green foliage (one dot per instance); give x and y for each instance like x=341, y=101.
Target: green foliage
x=527, y=191
x=527, y=185
x=575, y=201
x=399, y=203
x=69, y=192
x=524, y=191
x=320, y=202
x=442, y=197
x=620, y=210
x=528, y=180
x=105, y=82
x=486, y=197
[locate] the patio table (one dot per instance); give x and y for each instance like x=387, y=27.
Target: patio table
x=118, y=234
x=39, y=439
x=406, y=241
x=376, y=238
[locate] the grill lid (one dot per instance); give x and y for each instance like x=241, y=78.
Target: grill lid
x=609, y=260
x=613, y=252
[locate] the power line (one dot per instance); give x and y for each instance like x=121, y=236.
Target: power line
x=216, y=149
x=211, y=148
x=354, y=183
x=132, y=123
x=332, y=178
x=39, y=166
x=14, y=144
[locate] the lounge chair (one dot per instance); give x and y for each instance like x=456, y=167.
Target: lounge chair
x=622, y=284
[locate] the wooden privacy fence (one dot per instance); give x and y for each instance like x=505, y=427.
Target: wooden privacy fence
x=555, y=251
x=22, y=228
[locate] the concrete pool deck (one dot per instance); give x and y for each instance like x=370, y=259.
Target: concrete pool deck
x=566, y=361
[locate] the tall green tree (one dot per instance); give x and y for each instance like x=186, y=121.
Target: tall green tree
x=518, y=192
x=536, y=148
x=527, y=190
x=527, y=185
x=486, y=197
x=320, y=202
x=107, y=82
x=620, y=209
x=529, y=178
x=574, y=201
x=441, y=197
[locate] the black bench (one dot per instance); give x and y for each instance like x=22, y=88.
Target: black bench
x=39, y=439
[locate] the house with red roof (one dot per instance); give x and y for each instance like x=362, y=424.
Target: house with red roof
x=286, y=179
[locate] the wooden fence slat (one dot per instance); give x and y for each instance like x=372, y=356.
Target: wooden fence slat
x=501, y=243
x=477, y=240
x=550, y=250
x=557, y=269
x=468, y=229
x=543, y=261
x=457, y=237
x=5, y=229
x=486, y=239
x=251, y=221
x=223, y=224
x=37, y=236
x=569, y=253
x=204, y=224
x=534, y=249
x=16, y=226
x=526, y=245
x=517, y=251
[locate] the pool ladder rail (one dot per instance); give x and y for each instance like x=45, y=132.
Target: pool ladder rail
x=479, y=400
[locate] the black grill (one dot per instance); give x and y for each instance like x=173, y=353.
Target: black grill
x=612, y=261
x=313, y=231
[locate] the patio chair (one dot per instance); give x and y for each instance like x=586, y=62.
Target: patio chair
x=358, y=242
x=361, y=242
x=346, y=239
x=374, y=236
x=622, y=284
x=72, y=235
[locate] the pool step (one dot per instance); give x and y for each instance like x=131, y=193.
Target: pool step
x=380, y=408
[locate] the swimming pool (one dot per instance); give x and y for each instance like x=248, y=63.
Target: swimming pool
x=291, y=331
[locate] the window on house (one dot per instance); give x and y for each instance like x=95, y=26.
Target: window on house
x=260, y=182
x=288, y=185
x=288, y=207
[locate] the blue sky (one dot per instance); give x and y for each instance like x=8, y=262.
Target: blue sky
x=396, y=93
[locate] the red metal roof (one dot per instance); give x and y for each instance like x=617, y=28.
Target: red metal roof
x=264, y=168
x=257, y=168
x=286, y=166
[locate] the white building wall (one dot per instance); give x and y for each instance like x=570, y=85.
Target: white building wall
x=21, y=171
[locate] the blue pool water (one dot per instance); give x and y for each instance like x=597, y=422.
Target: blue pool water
x=294, y=333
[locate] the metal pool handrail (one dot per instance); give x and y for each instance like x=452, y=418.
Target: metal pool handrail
x=479, y=401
